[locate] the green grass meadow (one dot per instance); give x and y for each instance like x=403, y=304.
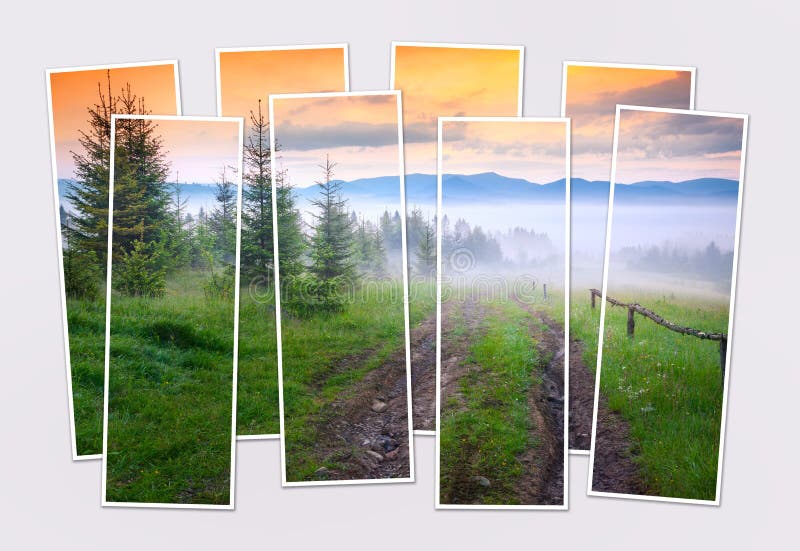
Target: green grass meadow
x=323, y=357
x=86, y=320
x=669, y=388
x=170, y=396
x=257, y=408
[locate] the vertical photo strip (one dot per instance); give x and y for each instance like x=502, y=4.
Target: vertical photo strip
x=341, y=288
x=590, y=94
x=245, y=79
x=81, y=102
x=502, y=293
x=666, y=305
x=169, y=436
x=439, y=79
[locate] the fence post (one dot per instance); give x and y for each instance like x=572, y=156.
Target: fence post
x=544, y=286
x=631, y=312
x=591, y=293
x=723, y=355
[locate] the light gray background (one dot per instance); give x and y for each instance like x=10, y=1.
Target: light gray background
x=746, y=58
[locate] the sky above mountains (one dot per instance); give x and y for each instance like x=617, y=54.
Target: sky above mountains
x=591, y=97
x=75, y=92
x=677, y=146
x=360, y=133
x=530, y=149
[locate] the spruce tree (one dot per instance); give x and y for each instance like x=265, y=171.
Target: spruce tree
x=139, y=162
x=257, y=246
x=144, y=150
x=223, y=219
x=179, y=246
x=88, y=192
x=81, y=270
x=291, y=240
x=332, y=241
x=426, y=250
x=379, y=254
x=137, y=273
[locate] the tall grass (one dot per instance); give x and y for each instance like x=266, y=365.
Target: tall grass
x=170, y=396
x=669, y=389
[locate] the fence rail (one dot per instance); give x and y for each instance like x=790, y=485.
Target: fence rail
x=635, y=308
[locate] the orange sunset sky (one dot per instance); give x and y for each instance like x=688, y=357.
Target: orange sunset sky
x=592, y=94
x=532, y=150
x=359, y=132
x=75, y=91
x=247, y=76
x=198, y=150
x=447, y=81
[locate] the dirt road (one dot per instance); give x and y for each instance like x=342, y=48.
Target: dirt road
x=423, y=374
x=365, y=431
x=614, y=468
x=542, y=480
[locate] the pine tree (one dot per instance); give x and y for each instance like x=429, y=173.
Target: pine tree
x=257, y=234
x=379, y=255
x=81, y=270
x=426, y=250
x=291, y=240
x=223, y=219
x=332, y=242
x=202, y=241
x=143, y=148
x=179, y=246
x=447, y=238
x=130, y=209
x=363, y=244
x=391, y=230
x=137, y=273
x=88, y=193
x=138, y=150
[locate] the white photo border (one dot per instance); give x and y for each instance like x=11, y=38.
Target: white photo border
x=565, y=67
x=217, y=51
x=57, y=202
x=530, y=120
x=520, y=92
x=240, y=154
x=742, y=165
x=401, y=174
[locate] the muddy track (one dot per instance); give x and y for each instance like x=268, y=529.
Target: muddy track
x=614, y=468
x=423, y=374
x=546, y=404
x=455, y=349
x=455, y=365
x=365, y=431
x=581, y=399
x=543, y=481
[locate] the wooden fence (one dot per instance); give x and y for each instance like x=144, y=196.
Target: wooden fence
x=634, y=308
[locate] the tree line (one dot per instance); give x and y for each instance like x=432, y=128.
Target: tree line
x=709, y=262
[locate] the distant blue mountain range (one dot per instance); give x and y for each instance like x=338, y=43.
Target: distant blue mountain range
x=197, y=195
x=493, y=187
x=490, y=187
